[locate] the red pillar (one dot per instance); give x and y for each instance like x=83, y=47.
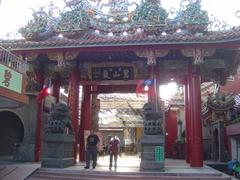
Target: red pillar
x=187, y=119
x=171, y=130
x=56, y=88
x=40, y=79
x=196, y=143
x=86, y=119
x=73, y=101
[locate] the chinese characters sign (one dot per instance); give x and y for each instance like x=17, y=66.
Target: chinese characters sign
x=10, y=79
x=112, y=73
x=159, y=153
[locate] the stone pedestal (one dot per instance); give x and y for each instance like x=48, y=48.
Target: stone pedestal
x=218, y=144
x=152, y=155
x=58, y=151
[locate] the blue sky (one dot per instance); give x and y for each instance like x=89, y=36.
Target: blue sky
x=16, y=13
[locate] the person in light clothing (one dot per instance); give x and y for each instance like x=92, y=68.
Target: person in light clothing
x=114, y=150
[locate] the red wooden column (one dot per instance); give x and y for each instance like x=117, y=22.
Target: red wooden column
x=187, y=119
x=40, y=79
x=196, y=123
x=56, y=88
x=73, y=101
x=86, y=119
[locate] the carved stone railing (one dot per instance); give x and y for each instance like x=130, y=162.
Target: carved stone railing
x=12, y=61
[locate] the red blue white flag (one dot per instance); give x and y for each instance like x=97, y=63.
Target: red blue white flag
x=142, y=84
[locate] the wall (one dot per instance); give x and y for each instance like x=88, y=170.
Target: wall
x=28, y=115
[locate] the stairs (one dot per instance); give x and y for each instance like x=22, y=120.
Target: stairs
x=12, y=61
x=14, y=172
x=63, y=174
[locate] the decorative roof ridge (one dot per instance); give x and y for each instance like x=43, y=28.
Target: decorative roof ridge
x=91, y=40
x=149, y=17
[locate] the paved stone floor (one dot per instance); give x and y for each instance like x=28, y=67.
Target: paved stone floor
x=10, y=170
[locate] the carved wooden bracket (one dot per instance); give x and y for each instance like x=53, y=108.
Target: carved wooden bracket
x=57, y=57
x=69, y=56
x=198, y=54
x=31, y=56
x=61, y=57
x=151, y=55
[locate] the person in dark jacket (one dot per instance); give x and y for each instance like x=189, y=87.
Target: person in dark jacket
x=91, y=150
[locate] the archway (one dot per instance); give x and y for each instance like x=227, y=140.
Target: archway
x=11, y=132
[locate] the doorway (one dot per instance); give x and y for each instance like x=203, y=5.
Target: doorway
x=120, y=115
x=11, y=133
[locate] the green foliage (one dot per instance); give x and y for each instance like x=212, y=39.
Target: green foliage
x=194, y=15
x=150, y=13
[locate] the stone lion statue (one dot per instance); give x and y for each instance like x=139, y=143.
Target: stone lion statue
x=59, y=119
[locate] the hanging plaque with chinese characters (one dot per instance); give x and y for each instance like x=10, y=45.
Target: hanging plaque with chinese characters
x=113, y=73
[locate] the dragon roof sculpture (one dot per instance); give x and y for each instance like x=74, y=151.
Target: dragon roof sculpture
x=116, y=17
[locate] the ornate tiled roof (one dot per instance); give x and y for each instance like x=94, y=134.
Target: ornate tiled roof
x=92, y=40
x=84, y=25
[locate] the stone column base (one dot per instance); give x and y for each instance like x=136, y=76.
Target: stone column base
x=58, y=151
x=57, y=163
x=149, y=154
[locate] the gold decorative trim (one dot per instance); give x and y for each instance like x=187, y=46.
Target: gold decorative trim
x=198, y=54
x=161, y=53
x=57, y=57
x=157, y=52
x=71, y=55
x=151, y=55
x=61, y=58
x=208, y=52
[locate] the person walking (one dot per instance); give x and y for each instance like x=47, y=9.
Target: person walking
x=92, y=142
x=114, y=150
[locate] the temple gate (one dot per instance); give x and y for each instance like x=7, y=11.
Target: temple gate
x=105, y=55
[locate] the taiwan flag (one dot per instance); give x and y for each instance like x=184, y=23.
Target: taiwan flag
x=144, y=86
x=42, y=94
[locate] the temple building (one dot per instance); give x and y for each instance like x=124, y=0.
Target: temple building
x=94, y=48
x=12, y=96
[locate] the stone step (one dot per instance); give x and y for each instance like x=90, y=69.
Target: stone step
x=142, y=173
x=19, y=173
x=60, y=174
x=6, y=170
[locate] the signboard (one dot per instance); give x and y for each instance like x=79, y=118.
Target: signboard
x=214, y=64
x=10, y=79
x=159, y=153
x=112, y=73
